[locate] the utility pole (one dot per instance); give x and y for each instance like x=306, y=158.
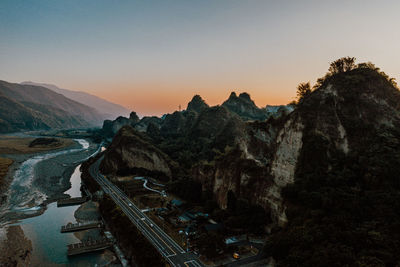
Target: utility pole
x=180, y=108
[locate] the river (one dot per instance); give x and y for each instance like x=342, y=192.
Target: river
x=49, y=245
x=26, y=195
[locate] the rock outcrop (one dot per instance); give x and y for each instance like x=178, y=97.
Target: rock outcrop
x=339, y=159
x=131, y=154
x=339, y=117
x=245, y=107
x=197, y=104
x=110, y=128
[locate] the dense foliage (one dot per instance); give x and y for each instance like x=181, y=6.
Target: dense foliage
x=186, y=189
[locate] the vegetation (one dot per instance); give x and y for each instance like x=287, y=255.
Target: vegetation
x=343, y=209
x=28, y=107
x=342, y=65
x=303, y=90
x=245, y=217
x=186, y=189
x=135, y=246
x=19, y=145
x=210, y=244
x=42, y=141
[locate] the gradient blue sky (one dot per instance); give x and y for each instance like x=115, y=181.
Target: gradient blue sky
x=151, y=56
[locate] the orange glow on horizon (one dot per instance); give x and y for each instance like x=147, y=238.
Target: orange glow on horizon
x=156, y=101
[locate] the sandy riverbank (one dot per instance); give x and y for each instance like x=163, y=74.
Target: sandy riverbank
x=52, y=178
x=15, y=248
x=24, y=145
x=17, y=149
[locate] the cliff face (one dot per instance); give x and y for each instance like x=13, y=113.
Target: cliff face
x=197, y=104
x=245, y=107
x=328, y=170
x=338, y=122
x=255, y=161
x=110, y=128
x=341, y=201
x=129, y=153
x=260, y=163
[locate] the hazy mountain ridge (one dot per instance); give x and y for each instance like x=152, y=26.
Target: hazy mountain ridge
x=107, y=109
x=27, y=107
x=180, y=121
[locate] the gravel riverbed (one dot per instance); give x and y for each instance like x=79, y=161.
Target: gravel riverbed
x=51, y=178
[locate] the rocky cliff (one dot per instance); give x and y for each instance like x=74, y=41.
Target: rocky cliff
x=344, y=184
x=327, y=172
x=197, y=104
x=110, y=128
x=341, y=117
x=129, y=153
x=260, y=162
x=245, y=107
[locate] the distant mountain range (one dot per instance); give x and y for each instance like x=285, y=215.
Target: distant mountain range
x=107, y=109
x=30, y=107
x=241, y=106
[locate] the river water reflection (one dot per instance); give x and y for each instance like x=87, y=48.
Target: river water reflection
x=49, y=245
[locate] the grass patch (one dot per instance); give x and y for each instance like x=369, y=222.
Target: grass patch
x=18, y=145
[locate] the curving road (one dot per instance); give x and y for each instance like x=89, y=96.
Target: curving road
x=167, y=247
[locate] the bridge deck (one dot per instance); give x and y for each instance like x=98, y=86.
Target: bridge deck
x=73, y=227
x=71, y=201
x=88, y=246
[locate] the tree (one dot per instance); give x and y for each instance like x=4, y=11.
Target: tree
x=210, y=244
x=342, y=65
x=303, y=89
x=368, y=65
x=231, y=201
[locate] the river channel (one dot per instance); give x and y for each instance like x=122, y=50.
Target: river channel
x=49, y=245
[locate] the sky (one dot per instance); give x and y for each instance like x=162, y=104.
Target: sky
x=152, y=56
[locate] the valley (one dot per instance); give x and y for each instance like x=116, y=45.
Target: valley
x=230, y=185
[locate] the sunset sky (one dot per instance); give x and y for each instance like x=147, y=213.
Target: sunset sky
x=151, y=56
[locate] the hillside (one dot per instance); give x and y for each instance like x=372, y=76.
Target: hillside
x=44, y=96
x=343, y=196
x=107, y=109
x=130, y=153
x=26, y=107
x=14, y=116
x=245, y=107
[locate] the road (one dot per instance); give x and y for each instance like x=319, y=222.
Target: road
x=167, y=247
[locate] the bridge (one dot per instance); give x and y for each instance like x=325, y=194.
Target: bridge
x=89, y=246
x=71, y=201
x=73, y=227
